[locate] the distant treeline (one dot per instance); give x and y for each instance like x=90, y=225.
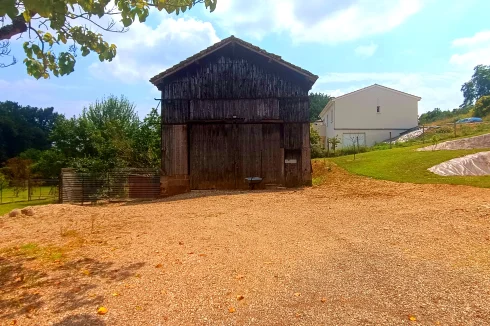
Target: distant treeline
x=108, y=134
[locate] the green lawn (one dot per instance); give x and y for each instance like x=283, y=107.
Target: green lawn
x=7, y=195
x=408, y=165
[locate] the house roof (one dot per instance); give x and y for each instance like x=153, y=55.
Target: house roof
x=232, y=39
x=329, y=104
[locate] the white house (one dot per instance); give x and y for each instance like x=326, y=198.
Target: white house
x=370, y=115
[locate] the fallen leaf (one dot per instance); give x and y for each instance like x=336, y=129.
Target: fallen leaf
x=86, y=272
x=231, y=310
x=239, y=276
x=297, y=294
x=181, y=243
x=323, y=299
x=138, y=308
x=412, y=318
x=137, y=275
x=102, y=310
x=158, y=265
x=267, y=262
x=191, y=253
x=202, y=255
x=240, y=297
x=115, y=294
x=13, y=322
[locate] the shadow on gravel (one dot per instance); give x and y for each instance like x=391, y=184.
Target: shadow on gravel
x=80, y=320
x=26, y=290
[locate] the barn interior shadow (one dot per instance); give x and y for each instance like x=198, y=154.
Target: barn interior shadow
x=25, y=291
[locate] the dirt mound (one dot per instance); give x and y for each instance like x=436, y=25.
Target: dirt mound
x=474, y=164
x=482, y=141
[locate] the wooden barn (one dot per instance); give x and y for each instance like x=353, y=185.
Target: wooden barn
x=230, y=112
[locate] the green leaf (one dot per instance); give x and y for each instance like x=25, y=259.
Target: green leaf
x=27, y=16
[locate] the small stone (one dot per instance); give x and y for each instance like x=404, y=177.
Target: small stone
x=14, y=213
x=27, y=211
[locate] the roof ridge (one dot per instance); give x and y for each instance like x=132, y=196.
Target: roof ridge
x=154, y=80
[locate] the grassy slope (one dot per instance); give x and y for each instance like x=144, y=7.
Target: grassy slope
x=408, y=165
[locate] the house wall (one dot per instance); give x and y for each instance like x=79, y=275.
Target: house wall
x=357, y=113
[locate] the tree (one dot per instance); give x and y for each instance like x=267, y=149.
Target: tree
x=66, y=24
x=101, y=138
x=477, y=86
x=316, y=144
x=334, y=141
x=23, y=128
x=482, y=106
x=147, y=141
x=318, y=101
x=20, y=172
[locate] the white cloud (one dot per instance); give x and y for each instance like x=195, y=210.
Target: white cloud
x=318, y=21
x=144, y=51
x=474, y=50
x=437, y=90
x=366, y=50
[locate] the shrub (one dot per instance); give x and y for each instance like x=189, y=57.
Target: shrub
x=444, y=130
x=482, y=106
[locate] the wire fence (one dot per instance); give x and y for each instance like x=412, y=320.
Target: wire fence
x=29, y=190
x=117, y=185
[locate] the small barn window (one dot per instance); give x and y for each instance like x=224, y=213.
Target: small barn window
x=378, y=109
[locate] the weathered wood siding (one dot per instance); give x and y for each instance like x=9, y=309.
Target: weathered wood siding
x=234, y=115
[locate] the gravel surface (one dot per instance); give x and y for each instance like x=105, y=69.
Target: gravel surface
x=353, y=251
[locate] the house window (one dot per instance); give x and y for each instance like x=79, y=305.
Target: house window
x=378, y=109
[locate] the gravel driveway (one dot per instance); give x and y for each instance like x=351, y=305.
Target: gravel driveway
x=354, y=251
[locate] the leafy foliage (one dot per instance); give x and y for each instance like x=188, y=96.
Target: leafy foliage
x=438, y=114
x=68, y=24
x=478, y=86
x=315, y=144
x=482, y=106
x=147, y=141
x=107, y=135
x=318, y=101
x=24, y=127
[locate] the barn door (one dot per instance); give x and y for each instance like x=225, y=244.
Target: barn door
x=249, y=153
x=212, y=156
x=223, y=155
x=292, y=167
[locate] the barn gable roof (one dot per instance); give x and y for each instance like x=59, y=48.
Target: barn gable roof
x=232, y=39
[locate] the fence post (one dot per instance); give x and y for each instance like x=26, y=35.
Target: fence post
x=83, y=188
x=455, y=129
x=60, y=188
x=29, y=189
x=423, y=134
x=390, y=139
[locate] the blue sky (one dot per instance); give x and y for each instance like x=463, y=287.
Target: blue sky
x=424, y=47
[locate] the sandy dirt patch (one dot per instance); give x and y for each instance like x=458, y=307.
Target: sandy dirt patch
x=354, y=251
x=482, y=141
x=474, y=164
